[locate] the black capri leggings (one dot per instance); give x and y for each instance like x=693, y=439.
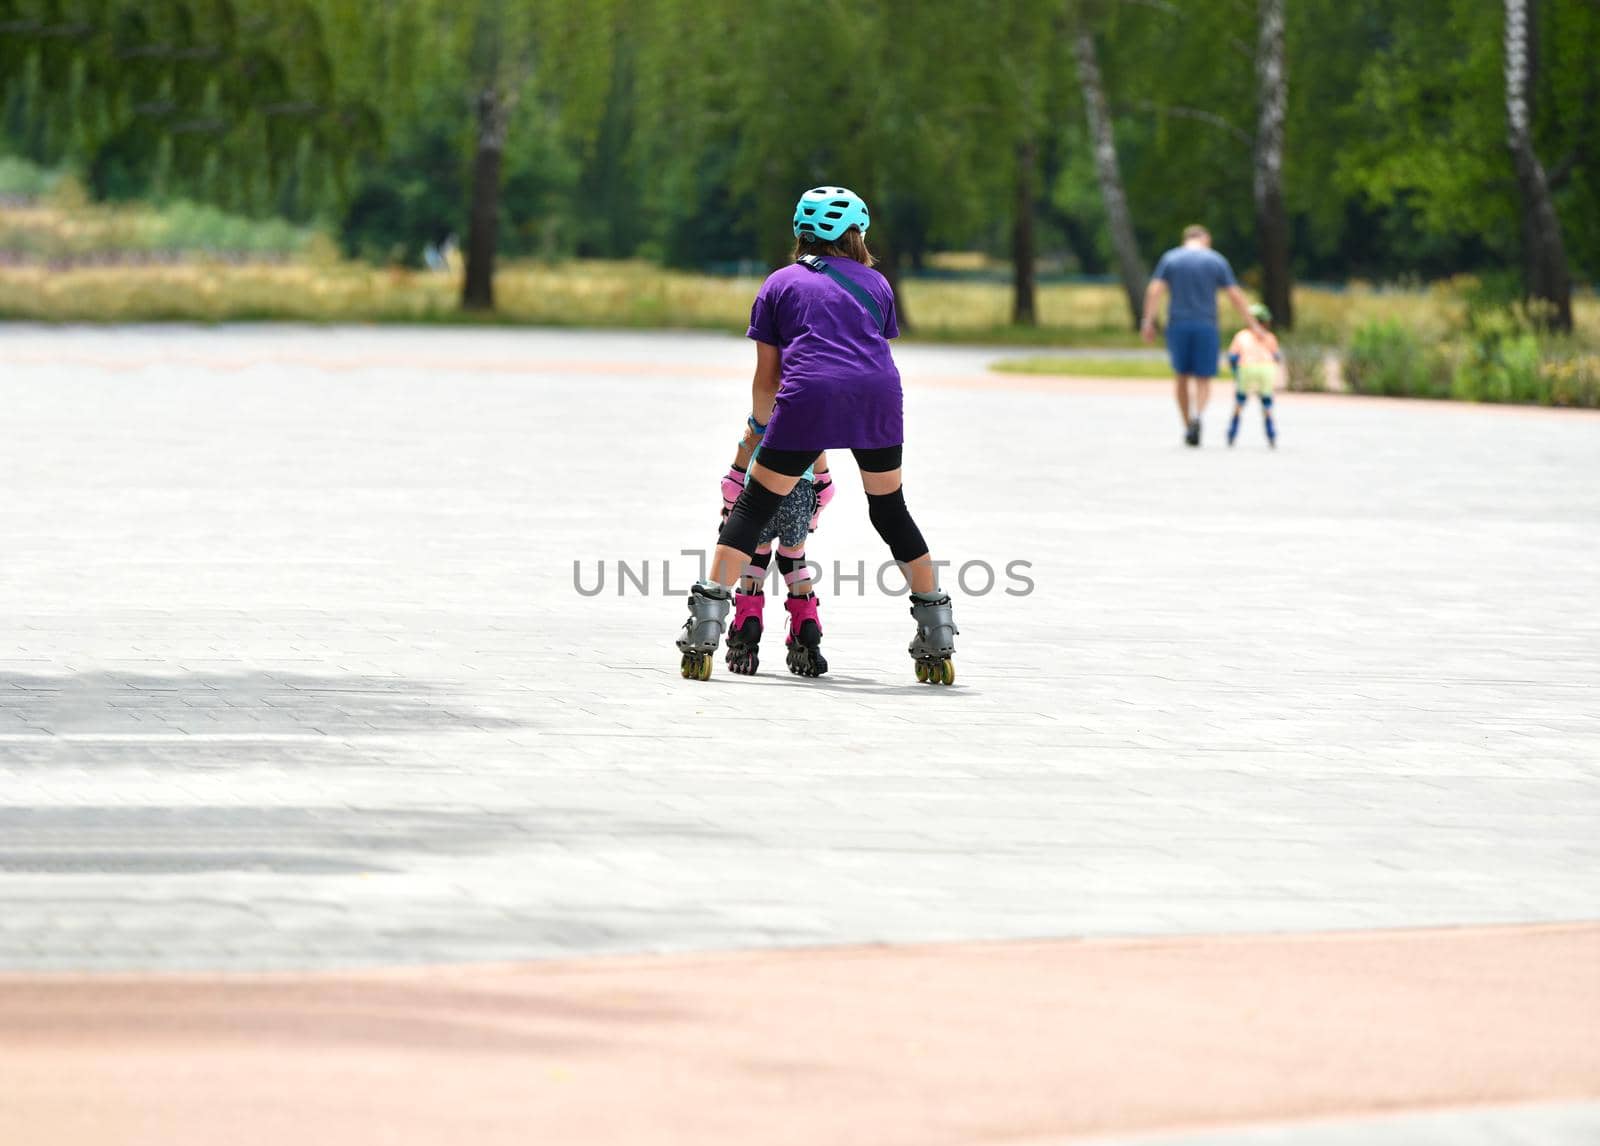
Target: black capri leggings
x=793, y=463
x=887, y=510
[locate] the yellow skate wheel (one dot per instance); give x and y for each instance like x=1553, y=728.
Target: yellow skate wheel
x=705, y=666
x=922, y=672
x=684, y=666
x=949, y=671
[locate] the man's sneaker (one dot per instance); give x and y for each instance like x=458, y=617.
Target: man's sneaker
x=1192, y=436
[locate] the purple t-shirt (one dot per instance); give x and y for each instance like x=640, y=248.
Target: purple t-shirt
x=839, y=387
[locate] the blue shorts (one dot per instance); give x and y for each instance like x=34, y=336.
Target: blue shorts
x=1192, y=348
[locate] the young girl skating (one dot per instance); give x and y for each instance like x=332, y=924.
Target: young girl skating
x=794, y=521
x=1256, y=362
x=825, y=379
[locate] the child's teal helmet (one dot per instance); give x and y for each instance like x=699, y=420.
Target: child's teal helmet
x=1260, y=313
x=828, y=212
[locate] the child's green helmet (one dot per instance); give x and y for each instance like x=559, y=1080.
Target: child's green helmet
x=1260, y=313
x=828, y=212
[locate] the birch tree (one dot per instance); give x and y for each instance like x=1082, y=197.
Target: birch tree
x=1108, y=172
x=1272, y=218
x=1546, y=277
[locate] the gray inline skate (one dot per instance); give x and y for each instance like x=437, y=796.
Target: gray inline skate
x=702, y=632
x=934, y=643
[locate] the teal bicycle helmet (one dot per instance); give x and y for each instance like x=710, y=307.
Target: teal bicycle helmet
x=828, y=212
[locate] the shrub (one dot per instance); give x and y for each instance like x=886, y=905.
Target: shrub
x=1502, y=356
x=1497, y=355
x=1305, y=365
x=21, y=180
x=1385, y=357
x=1502, y=369
x=1572, y=381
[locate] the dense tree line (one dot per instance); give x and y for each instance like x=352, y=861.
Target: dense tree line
x=1319, y=139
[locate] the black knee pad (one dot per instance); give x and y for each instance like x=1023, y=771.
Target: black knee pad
x=755, y=507
x=892, y=520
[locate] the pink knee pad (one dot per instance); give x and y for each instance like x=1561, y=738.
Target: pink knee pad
x=824, y=485
x=732, y=487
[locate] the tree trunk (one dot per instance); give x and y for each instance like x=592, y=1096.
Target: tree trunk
x=889, y=265
x=1125, y=244
x=1272, y=219
x=484, y=226
x=1547, y=280
x=1023, y=312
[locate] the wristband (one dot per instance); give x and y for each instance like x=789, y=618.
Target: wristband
x=755, y=425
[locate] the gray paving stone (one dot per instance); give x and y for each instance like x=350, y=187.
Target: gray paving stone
x=293, y=672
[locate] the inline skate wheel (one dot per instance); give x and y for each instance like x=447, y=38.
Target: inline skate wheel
x=922, y=672
x=806, y=662
x=696, y=666
x=948, y=674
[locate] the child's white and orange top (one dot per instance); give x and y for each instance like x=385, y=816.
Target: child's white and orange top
x=1258, y=359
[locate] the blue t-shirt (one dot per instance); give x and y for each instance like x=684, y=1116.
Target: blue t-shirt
x=1193, y=276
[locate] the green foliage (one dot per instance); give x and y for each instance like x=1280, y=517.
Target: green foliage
x=60, y=227
x=1499, y=360
x=1388, y=358
x=20, y=179
x=682, y=129
x=1497, y=356
x=1305, y=364
x=1423, y=137
x=232, y=103
x=1573, y=379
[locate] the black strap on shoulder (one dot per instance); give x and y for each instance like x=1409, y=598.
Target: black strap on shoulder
x=815, y=263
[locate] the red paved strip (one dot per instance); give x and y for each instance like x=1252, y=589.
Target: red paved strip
x=961, y=1044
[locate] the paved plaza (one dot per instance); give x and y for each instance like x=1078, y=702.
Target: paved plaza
x=302, y=666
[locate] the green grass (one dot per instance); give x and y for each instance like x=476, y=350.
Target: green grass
x=319, y=287
x=190, y=263
x=61, y=226
x=1086, y=367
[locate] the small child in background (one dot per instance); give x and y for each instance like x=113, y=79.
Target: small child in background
x=795, y=519
x=1256, y=362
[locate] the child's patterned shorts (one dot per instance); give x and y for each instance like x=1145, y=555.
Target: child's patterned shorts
x=792, y=521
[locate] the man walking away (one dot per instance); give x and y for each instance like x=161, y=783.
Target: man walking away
x=1192, y=274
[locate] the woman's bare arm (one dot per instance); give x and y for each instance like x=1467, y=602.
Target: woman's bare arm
x=764, y=390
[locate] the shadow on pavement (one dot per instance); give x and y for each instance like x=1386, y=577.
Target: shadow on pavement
x=230, y=704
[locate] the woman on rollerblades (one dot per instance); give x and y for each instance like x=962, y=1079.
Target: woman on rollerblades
x=825, y=379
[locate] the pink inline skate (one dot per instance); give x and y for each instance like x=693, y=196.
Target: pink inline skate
x=804, y=641
x=744, y=635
